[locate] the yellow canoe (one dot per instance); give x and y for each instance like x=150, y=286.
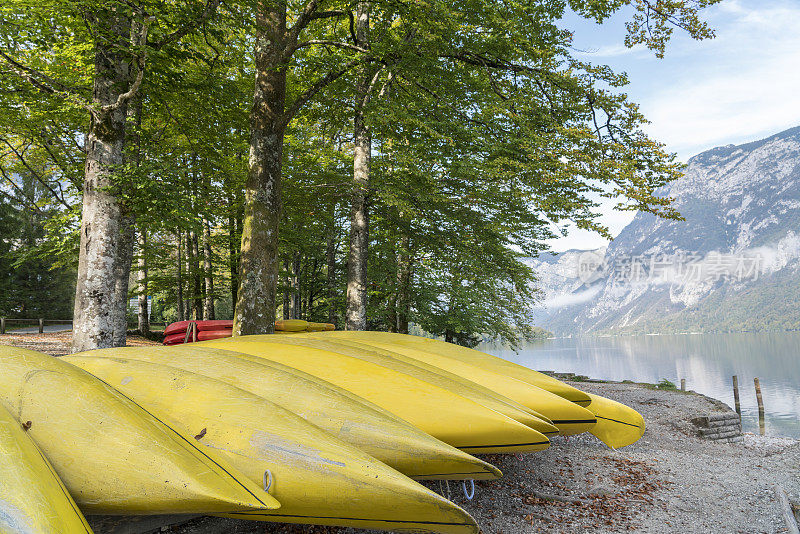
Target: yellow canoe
x=472, y=356
x=112, y=455
x=291, y=325
x=569, y=417
x=445, y=415
x=355, y=421
x=417, y=369
x=318, y=478
x=617, y=425
x=426, y=371
x=33, y=500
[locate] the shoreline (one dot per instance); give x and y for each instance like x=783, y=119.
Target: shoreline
x=655, y=334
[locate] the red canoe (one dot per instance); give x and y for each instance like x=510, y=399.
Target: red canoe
x=181, y=326
x=205, y=335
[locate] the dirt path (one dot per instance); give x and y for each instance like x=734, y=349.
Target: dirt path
x=55, y=343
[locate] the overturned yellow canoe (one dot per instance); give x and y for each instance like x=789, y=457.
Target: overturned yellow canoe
x=459, y=421
x=472, y=356
x=617, y=425
x=33, y=500
x=355, y=421
x=417, y=369
x=112, y=455
x=318, y=478
x=569, y=417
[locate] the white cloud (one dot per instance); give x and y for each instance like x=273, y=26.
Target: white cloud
x=742, y=86
x=570, y=299
x=586, y=240
x=739, y=87
x=612, y=50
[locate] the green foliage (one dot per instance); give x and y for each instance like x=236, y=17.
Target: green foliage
x=32, y=285
x=666, y=384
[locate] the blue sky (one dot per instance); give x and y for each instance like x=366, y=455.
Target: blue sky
x=741, y=86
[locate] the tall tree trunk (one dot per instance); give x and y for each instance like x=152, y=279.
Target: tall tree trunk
x=233, y=255
x=286, y=291
x=403, y=285
x=141, y=278
x=356, y=318
x=179, y=280
x=256, y=298
x=188, y=293
x=449, y=336
x=392, y=300
x=122, y=273
x=295, y=281
x=135, y=142
x=311, y=286
x=330, y=259
x=197, y=277
x=97, y=299
x=208, y=273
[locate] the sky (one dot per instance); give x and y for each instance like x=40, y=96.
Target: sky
x=741, y=86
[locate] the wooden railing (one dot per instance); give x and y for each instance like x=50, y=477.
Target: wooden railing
x=41, y=322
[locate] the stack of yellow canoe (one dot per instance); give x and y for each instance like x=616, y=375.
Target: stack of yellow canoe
x=298, y=325
x=319, y=427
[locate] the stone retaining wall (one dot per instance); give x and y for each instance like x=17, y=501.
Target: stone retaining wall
x=725, y=426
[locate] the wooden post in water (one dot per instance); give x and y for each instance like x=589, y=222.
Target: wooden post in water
x=736, y=396
x=683, y=384
x=761, y=424
x=41, y=326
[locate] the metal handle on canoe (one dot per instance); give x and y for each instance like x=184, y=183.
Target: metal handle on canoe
x=471, y=494
x=267, y=480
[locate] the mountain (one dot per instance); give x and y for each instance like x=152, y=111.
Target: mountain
x=732, y=264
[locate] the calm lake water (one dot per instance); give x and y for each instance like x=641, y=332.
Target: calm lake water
x=706, y=361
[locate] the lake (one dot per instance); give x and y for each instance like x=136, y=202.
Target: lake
x=706, y=361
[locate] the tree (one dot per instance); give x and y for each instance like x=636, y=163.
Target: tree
x=50, y=57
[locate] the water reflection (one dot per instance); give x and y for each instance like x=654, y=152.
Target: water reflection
x=706, y=361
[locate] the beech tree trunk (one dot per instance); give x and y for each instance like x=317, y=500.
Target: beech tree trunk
x=135, y=143
x=330, y=257
x=141, y=278
x=189, y=280
x=402, y=305
x=122, y=273
x=311, y=293
x=258, y=271
x=179, y=280
x=286, y=291
x=295, y=284
x=197, y=278
x=97, y=295
x=233, y=255
x=449, y=336
x=208, y=273
x=356, y=317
